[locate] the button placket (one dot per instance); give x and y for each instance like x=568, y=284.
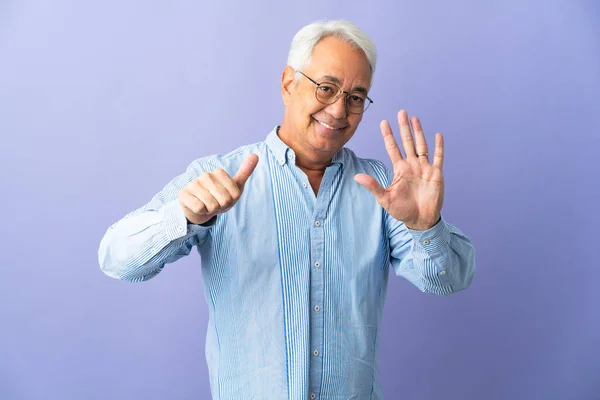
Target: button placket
x=317, y=298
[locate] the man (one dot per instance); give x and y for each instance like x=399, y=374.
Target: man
x=296, y=234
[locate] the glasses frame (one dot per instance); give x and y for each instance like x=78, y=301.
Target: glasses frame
x=340, y=92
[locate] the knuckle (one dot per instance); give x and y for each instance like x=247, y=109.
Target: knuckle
x=203, y=176
x=213, y=205
x=197, y=208
x=220, y=172
x=197, y=185
x=206, y=178
x=229, y=199
x=226, y=200
x=235, y=196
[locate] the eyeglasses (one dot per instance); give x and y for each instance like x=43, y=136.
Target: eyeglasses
x=328, y=93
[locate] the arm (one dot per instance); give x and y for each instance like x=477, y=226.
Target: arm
x=178, y=218
x=137, y=247
x=435, y=256
x=440, y=260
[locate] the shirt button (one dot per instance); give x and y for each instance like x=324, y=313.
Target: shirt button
x=313, y=396
x=317, y=264
x=317, y=308
x=180, y=228
x=304, y=184
x=426, y=241
x=316, y=353
x=443, y=272
x=317, y=223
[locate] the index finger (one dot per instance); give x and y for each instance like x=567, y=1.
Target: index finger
x=246, y=170
x=390, y=143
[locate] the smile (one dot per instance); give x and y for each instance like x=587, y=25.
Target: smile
x=329, y=126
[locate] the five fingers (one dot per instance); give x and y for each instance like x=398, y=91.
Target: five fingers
x=413, y=141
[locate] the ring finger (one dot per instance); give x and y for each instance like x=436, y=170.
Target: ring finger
x=420, y=142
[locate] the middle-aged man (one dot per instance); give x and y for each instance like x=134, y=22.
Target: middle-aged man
x=296, y=233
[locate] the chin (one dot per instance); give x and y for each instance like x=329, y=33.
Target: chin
x=328, y=140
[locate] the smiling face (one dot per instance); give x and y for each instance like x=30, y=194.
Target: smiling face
x=316, y=131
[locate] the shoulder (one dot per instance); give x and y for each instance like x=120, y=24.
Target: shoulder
x=375, y=168
x=230, y=161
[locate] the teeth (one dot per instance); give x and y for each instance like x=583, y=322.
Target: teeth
x=326, y=126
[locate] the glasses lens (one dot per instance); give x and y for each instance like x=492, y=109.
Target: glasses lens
x=327, y=92
x=357, y=103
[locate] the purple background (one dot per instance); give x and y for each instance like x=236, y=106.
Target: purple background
x=102, y=103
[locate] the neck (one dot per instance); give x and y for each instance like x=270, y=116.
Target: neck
x=307, y=160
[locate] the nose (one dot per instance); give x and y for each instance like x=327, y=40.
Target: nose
x=338, y=108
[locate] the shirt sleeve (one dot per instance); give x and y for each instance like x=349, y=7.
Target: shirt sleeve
x=440, y=260
x=137, y=247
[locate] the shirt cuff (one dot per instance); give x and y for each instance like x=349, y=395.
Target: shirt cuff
x=434, y=242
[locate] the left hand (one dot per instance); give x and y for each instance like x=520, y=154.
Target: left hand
x=416, y=194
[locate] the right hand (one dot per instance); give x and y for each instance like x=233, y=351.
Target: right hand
x=214, y=192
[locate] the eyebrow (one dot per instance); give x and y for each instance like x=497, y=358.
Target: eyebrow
x=335, y=80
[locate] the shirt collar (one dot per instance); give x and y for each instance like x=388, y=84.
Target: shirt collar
x=283, y=152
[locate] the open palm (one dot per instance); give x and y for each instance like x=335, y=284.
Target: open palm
x=416, y=194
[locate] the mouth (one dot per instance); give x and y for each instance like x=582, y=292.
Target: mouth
x=331, y=127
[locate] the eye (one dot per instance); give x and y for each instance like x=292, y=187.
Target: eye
x=326, y=88
x=356, y=99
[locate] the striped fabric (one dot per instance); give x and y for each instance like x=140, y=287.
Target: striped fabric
x=295, y=283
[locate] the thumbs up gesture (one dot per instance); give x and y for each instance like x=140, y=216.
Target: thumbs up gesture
x=215, y=192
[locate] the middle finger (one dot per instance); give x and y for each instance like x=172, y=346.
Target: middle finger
x=408, y=142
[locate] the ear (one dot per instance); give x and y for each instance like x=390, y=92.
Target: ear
x=288, y=84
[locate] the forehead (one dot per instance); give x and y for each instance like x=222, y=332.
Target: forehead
x=333, y=57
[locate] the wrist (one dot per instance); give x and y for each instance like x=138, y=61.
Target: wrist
x=200, y=220
x=423, y=226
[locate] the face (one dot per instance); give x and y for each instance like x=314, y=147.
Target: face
x=319, y=130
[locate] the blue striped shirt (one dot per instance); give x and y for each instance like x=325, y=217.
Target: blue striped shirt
x=295, y=283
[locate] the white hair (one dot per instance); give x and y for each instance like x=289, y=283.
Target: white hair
x=307, y=38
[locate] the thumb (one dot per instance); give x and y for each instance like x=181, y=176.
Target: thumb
x=371, y=184
x=245, y=170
